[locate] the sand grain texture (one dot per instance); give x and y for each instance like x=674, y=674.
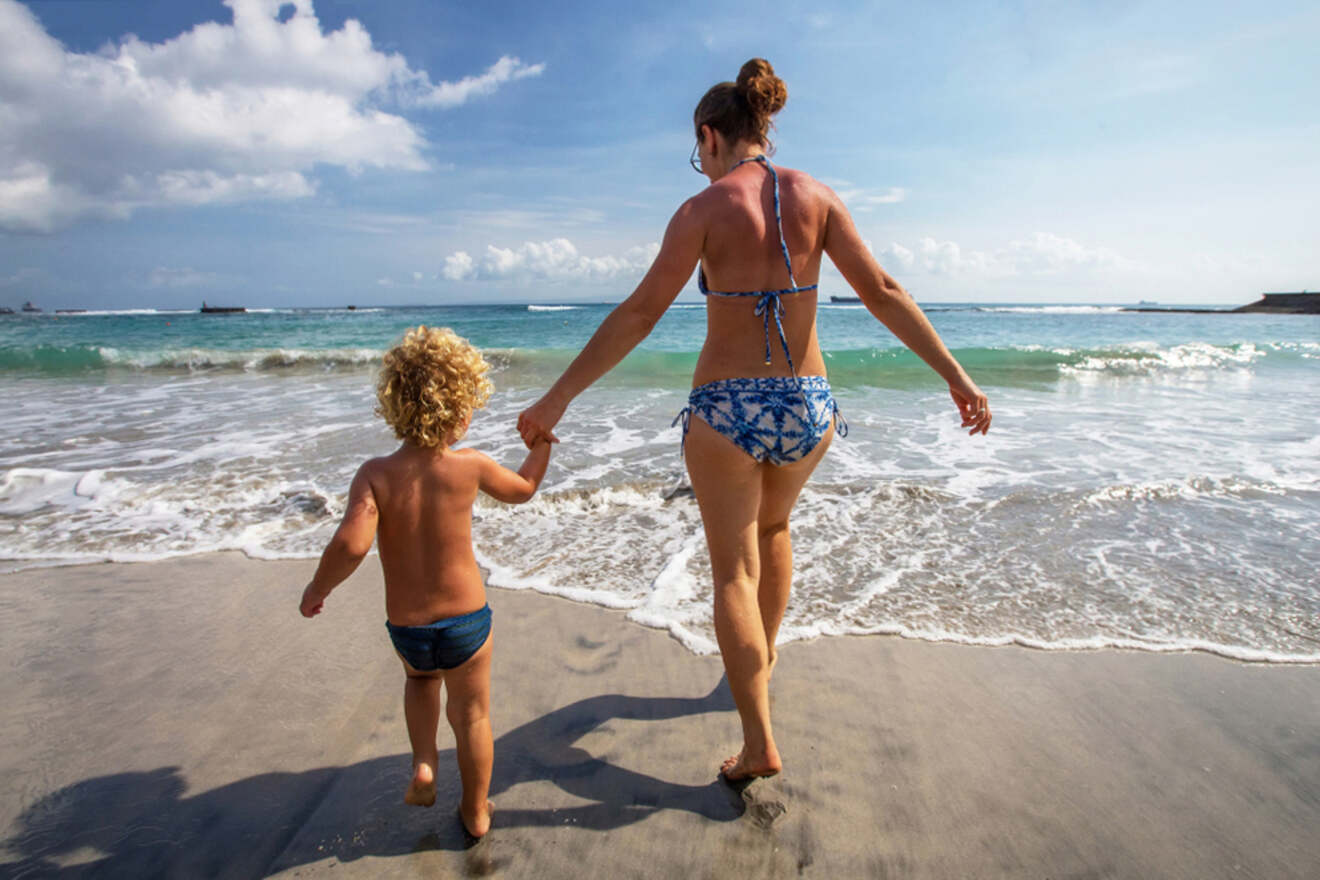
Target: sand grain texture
x=180, y=719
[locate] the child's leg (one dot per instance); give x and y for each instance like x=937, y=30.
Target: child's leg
x=421, y=709
x=468, y=711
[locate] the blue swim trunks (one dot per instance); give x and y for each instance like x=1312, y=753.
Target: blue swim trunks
x=445, y=644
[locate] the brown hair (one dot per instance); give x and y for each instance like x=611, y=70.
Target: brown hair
x=741, y=110
x=430, y=385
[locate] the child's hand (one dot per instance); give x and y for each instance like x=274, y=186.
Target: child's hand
x=311, y=603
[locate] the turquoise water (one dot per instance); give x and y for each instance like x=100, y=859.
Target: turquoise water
x=1151, y=481
x=1023, y=343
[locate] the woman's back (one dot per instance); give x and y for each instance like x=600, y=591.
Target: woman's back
x=742, y=254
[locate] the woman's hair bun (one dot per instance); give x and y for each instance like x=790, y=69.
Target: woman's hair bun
x=764, y=92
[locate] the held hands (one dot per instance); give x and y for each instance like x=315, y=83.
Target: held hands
x=538, y=421
x=972, y=405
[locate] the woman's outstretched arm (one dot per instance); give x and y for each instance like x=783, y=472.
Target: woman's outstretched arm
x=892, y=306
x=628, y=324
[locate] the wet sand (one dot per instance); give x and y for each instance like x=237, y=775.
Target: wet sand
x=180, y=719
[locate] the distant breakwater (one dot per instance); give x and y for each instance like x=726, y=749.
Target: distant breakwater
x=1303, y=303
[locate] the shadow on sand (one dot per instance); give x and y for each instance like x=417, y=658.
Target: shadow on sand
x=147, y=825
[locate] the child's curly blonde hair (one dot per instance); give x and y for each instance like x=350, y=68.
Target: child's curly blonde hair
x=430, y=385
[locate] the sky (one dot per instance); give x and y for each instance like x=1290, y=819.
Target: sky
x=157, y=153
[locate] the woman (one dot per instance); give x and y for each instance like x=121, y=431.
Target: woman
x=761, y=402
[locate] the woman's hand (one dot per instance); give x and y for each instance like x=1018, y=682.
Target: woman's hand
x=972, y=405
x=538, y=421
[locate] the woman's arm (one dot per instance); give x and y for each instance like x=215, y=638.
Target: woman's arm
x=892, y=306
x=628, y=324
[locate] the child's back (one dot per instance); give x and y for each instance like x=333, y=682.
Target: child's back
x=425, y=499
x=417, y=503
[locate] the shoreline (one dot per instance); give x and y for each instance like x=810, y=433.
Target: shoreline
x=1234, y=654
x=234, y=738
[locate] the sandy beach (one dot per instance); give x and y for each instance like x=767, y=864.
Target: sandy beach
x=180, y=719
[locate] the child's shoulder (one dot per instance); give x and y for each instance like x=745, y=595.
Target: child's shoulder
x=407, y=463
x=468, y=457
x=377, y=465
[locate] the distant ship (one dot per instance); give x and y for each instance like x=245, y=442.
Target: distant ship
x=845, y=299
x=220, y=310
x=6, y=310
x=29, y=307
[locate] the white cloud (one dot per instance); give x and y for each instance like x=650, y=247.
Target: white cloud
x=1045, y=253
x=26, y=275
x=1042, y=254
x=204, y=187
x=1222, y=264
x=507, y=69
x=459, y=266
x=896, y=253
x=554, y=260
x=861, y=200
x=163, y=276
x=219, y=114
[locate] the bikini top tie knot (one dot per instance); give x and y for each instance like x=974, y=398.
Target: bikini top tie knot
x=770, y=304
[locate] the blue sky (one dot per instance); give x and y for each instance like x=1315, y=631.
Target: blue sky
x=154, y=153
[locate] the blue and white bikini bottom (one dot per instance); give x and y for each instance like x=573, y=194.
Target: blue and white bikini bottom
x=779, y=419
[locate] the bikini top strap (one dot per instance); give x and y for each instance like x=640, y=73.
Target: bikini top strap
x=779, y=221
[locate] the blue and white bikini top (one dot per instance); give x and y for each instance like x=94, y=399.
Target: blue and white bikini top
x=769, y=302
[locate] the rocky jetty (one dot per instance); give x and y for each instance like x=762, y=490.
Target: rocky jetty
x=1303, y=303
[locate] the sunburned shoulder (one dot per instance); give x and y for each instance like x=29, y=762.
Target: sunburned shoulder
x=802, y=182
x=793, y=174
x=791, y=180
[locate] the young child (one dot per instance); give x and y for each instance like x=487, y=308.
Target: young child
x=417, y=502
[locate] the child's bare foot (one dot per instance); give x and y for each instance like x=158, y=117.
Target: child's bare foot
x=476, y=826
x=740, y=767
x=421, y=791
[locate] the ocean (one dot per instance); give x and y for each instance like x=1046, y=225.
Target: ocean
x=1151, y=480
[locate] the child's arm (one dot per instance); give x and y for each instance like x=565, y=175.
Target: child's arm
x=351, y=541
x=504, y=485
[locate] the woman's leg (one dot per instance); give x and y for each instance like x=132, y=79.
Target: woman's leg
x=727, y=483
x=780, y=487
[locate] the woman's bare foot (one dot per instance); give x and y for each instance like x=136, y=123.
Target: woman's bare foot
x=421, y=791
x=477, y=826
x=740, y=767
